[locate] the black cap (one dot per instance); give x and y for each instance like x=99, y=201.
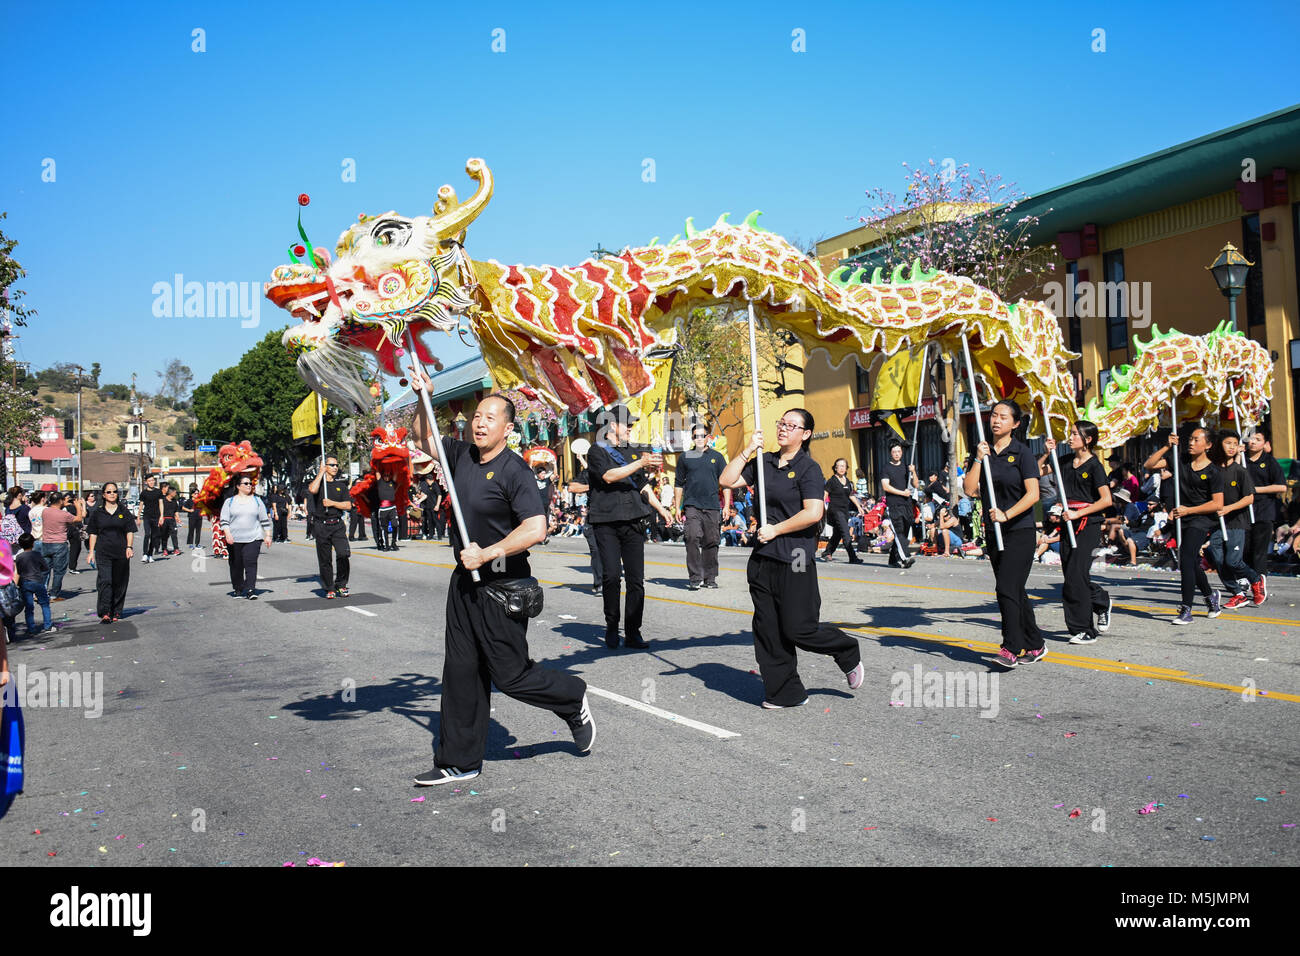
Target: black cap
x=618, y=413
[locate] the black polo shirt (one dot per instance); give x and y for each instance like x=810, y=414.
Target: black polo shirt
x=787, y=488
x=1197, y=488
x=1011, y=468
x=697, y=476
x=1085, y=482
x=169, y=508
x=335, y=490
x=898, y=476
x=150, y=498
x=110, y=531
x=1265, y=471
x=839, y=492
x=622, y=500
x=495, y=498
x=385, y=490
x=1236, y=485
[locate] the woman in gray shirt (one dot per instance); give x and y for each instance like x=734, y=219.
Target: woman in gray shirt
x=247, y=527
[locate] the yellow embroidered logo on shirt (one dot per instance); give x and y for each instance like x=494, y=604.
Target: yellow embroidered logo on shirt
x=1011, y=458
x=1085, y=474
x=1203, y=477
x=1234, y=484
x=789, y=474
x=490, y=474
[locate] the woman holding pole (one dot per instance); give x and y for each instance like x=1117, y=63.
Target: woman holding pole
x=1085, y=494
x=1014, y=474
x=782, y=571
x=1199, y=491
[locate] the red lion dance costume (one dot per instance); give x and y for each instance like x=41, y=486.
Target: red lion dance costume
x=233, y=462
x=385, y=490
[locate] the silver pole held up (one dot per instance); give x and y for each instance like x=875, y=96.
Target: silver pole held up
x=1060, y=481
x=979, y=428
x=1241, y=452
x=437, y=441
x=753, y=375
x=1178, y=495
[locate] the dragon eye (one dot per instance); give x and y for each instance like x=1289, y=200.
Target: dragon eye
x=389, y=232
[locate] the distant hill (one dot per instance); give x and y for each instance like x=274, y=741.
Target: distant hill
x=104, y=421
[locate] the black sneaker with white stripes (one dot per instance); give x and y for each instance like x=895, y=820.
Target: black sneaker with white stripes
x=444, y=775
x=1103, y=617
x=583, y=727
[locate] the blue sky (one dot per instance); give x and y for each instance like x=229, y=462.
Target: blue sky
x=169, y=161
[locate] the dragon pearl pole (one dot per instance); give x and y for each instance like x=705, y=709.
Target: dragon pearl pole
x=1178, y=495
x=979, y=429
x=320, y=425
x=437, y=442
x=1060, y=480
x=920, y=394
x=1241, y=452
x=758, y=424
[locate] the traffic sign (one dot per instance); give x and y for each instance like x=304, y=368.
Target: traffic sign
x=207, y=449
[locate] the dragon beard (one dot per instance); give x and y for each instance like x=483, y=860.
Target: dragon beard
x=339, y=373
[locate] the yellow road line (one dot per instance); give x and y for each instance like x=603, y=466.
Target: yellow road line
x=1145, y=671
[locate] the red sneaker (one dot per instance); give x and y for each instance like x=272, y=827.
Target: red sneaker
x=1236, y=601
x=1259, y=590
x=330, y=595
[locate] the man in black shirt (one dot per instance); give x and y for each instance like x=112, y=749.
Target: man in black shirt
x=897, y=480
x=696, y=504
x=1266, y=475
x=328, y=499
x=194, y=532
x=384, y=519
x=150, y=517
x=171, y=506
x=619, y=502
x=485, y=645
x=1228, y=552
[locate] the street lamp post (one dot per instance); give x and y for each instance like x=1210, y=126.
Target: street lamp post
x=1229, y=271
x=460, y=425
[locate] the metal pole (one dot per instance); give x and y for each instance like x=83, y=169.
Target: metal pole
x=1241, y=451
x=1060, y=482
x=758, y=425
x=437, y=439
x=320, y=426
x=979, y=428
x=78, y=431
x=1178, y=496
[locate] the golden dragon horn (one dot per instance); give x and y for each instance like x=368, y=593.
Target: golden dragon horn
x=450, y=217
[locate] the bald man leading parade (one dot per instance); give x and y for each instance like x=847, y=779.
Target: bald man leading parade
x=486, y=640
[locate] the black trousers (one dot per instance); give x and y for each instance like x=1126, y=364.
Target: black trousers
x=383, y=522
x=194, y=536
x=168, y=531
x=440, y=524
x=243, y=564
x=485, y=646
x=1081, y=597
x=1190, y=541
x=112, y=575
x=787, y=606
x=332, y=543
x=74, y=546
x=426, y=523
x=840, y=532
x=280, y=528
x=152, y=534
x=356, y=526
x=703, y=536
x=1011, y=572
x=1258, y=540
x=900, y=516
x=622, y=549
x=597, y=570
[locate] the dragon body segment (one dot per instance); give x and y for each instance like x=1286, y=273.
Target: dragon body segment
x=1196, y=368
x=576, y=336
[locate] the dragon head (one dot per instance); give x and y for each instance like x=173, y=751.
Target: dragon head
x=389, y=274
x=240, y=460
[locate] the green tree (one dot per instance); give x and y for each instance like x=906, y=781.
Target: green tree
x=254, y=401
x=11, y=272
x=177, y=378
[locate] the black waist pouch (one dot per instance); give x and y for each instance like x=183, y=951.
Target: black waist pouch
x=520, y=597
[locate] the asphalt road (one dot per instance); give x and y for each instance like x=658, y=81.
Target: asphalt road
x=230, y=733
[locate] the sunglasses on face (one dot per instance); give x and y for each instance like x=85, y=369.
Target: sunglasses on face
x=789, y=426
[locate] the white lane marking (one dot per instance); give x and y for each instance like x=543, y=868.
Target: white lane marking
x=667, y=715
x=361, y=611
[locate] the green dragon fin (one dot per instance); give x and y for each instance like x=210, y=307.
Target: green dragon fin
x=690, y=227
x=751, y=221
